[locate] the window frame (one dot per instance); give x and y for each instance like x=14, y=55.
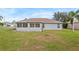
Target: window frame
x=25, y=25
x=19, y=24
x=32, y=25
x=37, y=25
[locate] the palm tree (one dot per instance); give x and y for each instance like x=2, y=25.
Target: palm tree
x=72, y=16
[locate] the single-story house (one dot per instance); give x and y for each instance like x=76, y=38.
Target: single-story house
x=38, y=24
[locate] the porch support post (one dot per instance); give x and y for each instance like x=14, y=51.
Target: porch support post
x=41, y=26
x=22, y=24
x=28, y=26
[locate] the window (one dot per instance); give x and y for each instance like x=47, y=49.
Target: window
x=25, y=25
x=31, y=24
x=37, y=25
x=58, y=25
x=19, y=25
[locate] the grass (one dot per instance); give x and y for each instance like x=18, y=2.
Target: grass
x=63, y=40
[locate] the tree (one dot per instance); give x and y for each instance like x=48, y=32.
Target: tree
x=1, y=18
x=63, y=17
x=73, y=15
x=13, y=22
x=57, y=16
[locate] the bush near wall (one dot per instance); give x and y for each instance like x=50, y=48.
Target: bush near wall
x=1, y=24
x=65, y=25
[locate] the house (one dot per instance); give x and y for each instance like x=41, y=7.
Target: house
x=9, y=25
x=38, y=24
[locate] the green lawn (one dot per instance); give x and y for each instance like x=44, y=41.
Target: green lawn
x=47, y=41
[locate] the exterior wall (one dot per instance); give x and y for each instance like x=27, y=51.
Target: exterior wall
x=69, y=26
x=24, y=29
x=76, y=25
x=36, y=28
x=27, y=29
x=52, y=27
x=21, y=29
x=46, y=27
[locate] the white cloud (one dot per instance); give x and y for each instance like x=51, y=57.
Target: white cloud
x=7, y=13
x=10, y=14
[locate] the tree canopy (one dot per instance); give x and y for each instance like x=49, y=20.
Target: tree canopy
x=66, y=16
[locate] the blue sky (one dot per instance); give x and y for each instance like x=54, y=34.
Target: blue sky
x=11, y=14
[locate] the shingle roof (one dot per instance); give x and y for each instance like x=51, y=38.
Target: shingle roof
x=43, y=20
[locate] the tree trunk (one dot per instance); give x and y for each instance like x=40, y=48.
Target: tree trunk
x=73, y=25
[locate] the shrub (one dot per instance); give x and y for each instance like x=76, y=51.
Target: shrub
x=1, y=24
x=65, y=25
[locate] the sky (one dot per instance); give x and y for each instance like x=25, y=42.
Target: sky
x=17, y=14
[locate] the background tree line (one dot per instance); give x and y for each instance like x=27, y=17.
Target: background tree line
x=66, y=17
x=1, y=18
